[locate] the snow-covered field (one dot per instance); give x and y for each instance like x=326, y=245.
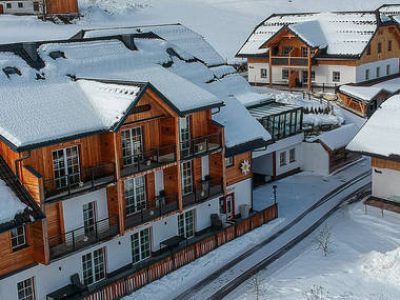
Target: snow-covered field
x=224, y=23
x=295, y=195
x=363, y=262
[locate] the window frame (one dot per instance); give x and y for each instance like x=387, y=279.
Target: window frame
x=141, y=245
x=336, y=76
x=292, y=155
x=23, y=287
x=9, y=5
x=390, y=45
x=285, y=74
x=388, y=70
x=135, y=195
x=20, y=5
x=229, y=161
x=132, y=146
x=304, y=52
x=89, y=217
x=187, y=178
x=282, y=159
x=18, y=245
x=185, y=229
x=263, y=73
x=367, y=74
x=63, y=160
x=378, y=72
x=92, y=263
x=379, y=48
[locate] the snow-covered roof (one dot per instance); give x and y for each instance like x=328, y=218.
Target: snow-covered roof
x=343, y=33
x=381, y=133
x=390, y=9
x=392, y=85
x=175, y=34
x=338, y=138
x=41, y=111
x=363, y=93
x=10, y=205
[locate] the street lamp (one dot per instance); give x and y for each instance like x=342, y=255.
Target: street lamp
x=274, y=187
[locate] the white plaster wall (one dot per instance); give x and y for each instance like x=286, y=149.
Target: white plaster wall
x=27, y=9
x=387, y=184
x=263, y=164
x=254, y=73
x=73, y=208
x=203, y=213
x=394, y=68
x=242, y=191
x=290, y=166
x=315, y=159
x=323, y=74
x=280, y=144
x=205, y=168
x=159, y=181
x=164, y=229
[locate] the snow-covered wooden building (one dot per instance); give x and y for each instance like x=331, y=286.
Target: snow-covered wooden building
x=379, y=139
x=322, y=49
x=128, y=141
x=39, y=7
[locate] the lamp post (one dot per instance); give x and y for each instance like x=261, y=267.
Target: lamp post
x=274, y=187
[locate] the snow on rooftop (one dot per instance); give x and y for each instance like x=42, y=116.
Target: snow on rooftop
x=21, y=70
x=365, y=93
x=381, y=133
x=340, y=137
x=344, y=33
x=392, y=85
x=42, y=111
x=176, y=34
x=10, y=205
x=310, y=32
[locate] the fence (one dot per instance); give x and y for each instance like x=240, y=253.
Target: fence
x=128, y=284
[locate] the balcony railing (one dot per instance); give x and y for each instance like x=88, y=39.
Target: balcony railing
x=148, y=160
x=89, y=178
x=82, y=237
x=164, y=205
x=288, y=60
x=203, y=191
x=201, y=145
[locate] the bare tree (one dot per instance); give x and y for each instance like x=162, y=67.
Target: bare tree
x=317, y=292
x=324, y=240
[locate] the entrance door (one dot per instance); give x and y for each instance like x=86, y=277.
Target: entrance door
x=1, y=9
x=293, y=78
x=230, y=206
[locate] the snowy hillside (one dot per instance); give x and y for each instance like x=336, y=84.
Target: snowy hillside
x=224, y=23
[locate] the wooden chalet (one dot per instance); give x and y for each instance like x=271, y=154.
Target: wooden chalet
x=310, y=49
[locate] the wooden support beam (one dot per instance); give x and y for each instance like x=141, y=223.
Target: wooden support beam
x=270, y=66
x=120, y=189
x=309, y=68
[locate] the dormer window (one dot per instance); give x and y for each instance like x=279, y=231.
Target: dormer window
x=11, y=71
x=57, y=54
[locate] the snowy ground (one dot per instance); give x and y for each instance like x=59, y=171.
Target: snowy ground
x=295, y=195
x=224, y=23
x=363, y=262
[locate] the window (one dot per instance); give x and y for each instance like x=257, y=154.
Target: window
x=186, y=224
x=89, y=217
x=66, y=167
x=282, y=159
x=229, y=161
x=286, y=51
x=9, y=5
x=304, y=51
x=187, y=178
x=26, y=289
x=369, y=50
x=285, y=74
x=378, y=71
x=379, y=48
x=390, y=45
x=140, y=242
x=305, y=76
x=132, y=146
x=292, y=155
x=367, y=74
x=185, y=134
x=135, y=194
x=336, y=76
x=20, y=5
x=18, y=238
x=264, y=73
x=93, y=267
x=35, y=6
x=387, y=69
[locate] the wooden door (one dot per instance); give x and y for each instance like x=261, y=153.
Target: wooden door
x=293, y=78
x=230, y=206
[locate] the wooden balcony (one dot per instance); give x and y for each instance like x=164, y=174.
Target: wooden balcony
x=82, y=237
x=203, y=191
x=201, y=146
x=163, y=205
x=148, y=160
x=89, y=178
x=290, y=61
